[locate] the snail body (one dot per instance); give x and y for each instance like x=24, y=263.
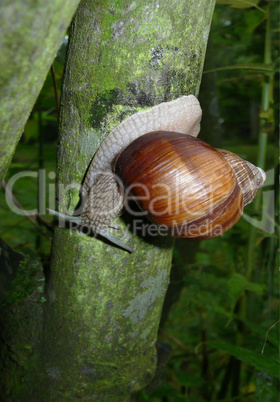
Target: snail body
x=179, y=181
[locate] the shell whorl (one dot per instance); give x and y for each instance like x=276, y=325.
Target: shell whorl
x=249, y=177
x=181, y=115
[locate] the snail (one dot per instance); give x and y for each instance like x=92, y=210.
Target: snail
x=190, y=188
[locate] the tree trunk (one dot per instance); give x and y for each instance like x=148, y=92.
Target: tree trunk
x=104, y=305
x=30, y=36
x=96, y=338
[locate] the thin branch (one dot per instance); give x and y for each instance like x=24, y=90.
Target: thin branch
x=277, y=322
x=260, y=68
x=255, y=6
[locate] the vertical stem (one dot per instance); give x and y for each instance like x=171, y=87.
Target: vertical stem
x=265, y=103
x=40, y=167
x=262, y=147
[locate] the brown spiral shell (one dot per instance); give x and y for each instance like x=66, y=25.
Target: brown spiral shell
x=182, y=183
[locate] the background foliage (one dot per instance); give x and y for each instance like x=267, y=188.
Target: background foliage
x=223, y=295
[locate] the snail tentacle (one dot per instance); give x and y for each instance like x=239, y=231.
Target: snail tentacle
x=114, y=240
x=69, y=218
x=102, y=232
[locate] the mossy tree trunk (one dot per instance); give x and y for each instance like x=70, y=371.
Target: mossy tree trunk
x=104, y=305
x=101, y=317
x=30, y=36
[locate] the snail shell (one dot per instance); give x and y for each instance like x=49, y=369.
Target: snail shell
x=193, y=189
x=104, y=201
x=249, y=177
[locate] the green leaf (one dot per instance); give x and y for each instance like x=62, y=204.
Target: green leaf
x=238, y=284
x=260, y=362
x=239, y=3
x=261, y=68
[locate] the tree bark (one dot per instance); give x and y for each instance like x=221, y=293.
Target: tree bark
x=30, y=36
x=104, y=305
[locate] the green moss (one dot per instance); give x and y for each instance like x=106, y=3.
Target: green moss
x=26, y=281
x=31, y=36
